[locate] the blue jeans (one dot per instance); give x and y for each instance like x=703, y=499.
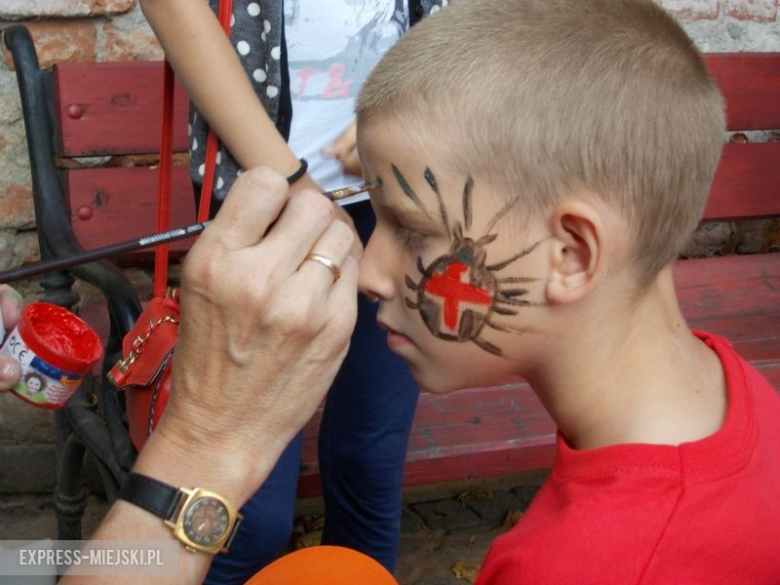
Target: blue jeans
x=362, y=450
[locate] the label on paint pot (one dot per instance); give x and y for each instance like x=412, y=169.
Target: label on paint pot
x=42, y=384
x=50, y=342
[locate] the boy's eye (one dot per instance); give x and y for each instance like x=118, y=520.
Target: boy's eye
x=410, y=238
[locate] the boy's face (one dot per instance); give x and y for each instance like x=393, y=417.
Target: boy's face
x=461, y=285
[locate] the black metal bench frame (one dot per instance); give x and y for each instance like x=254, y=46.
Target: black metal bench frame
x=94, y=419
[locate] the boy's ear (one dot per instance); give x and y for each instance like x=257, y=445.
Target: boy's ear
x=579, y=254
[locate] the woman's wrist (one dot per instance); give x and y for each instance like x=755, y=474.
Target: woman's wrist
x=170, y=457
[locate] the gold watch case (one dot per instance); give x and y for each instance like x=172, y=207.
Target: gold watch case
x=203, y=521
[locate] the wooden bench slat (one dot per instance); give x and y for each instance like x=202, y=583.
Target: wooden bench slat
x=121, y=105
x=118, y=96
x=461, y=435
x=750, y=83
x=735, y=296
x=728, y=286
x=747, y=183
x=123, y=205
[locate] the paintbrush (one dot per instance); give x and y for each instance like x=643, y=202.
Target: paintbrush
x=56, y=264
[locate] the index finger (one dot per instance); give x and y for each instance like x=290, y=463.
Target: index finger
x=254, y=202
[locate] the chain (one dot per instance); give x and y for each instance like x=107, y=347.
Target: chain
x=140, y=341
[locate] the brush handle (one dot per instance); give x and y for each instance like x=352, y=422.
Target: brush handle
x=173, y=235
x=56, y=264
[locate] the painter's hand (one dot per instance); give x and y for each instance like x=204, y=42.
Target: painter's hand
x=345, y=150
x=264, y=330
x=11, y=307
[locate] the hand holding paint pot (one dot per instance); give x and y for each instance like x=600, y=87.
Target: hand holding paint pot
x=56, y=350
x=10, y=311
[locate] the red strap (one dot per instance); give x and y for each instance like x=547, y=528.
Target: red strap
x=166, y=165
x=212, y=142
x=164, y=182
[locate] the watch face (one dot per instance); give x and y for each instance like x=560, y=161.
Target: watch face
x=205, y=521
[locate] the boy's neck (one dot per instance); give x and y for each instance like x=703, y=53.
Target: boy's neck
x=633, y=376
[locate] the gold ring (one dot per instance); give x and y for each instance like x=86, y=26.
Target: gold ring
x=327, y=262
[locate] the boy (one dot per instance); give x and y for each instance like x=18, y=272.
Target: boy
x=542, y=164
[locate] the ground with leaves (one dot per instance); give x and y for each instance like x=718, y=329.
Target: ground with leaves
x=444, y=533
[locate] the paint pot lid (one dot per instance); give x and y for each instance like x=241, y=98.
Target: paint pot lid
x=60, y=338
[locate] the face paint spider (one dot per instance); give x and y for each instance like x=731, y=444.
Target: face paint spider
x=459, y=293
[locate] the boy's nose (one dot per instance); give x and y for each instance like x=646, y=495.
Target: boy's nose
x=374, y=276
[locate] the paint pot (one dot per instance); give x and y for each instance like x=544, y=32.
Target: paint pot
x=56, y=350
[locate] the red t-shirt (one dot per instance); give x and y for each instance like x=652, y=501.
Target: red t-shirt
x=700, y=513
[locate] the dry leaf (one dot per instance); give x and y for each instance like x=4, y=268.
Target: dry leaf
x=512, y=518
x=308, y=540
x=465, y=571
x=474, y=493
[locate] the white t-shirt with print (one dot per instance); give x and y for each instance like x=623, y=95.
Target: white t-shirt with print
x=332, y=46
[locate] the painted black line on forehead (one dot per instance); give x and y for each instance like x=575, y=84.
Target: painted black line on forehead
x=467, y=189
x=429, y=176
x=408, y=191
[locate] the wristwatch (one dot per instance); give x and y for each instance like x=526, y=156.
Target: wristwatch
x=202, y=520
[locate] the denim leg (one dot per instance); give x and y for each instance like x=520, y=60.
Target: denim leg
x=267, y=524
x=364, y=436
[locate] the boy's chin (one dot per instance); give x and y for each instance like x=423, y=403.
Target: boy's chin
x=432, y=384
x=436, y=382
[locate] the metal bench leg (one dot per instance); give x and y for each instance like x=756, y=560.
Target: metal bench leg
x=70, y=497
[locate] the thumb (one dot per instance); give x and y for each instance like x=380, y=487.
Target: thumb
x=10, y=373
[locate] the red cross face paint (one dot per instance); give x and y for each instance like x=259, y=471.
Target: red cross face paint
x=56, y=350
x=459, y=293
x=456, y=295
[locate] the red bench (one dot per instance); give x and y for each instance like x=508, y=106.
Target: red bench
x=113, y=110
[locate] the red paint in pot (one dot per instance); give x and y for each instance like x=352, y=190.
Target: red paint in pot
x=60, y=338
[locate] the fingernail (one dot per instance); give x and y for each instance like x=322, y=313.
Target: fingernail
x=9, y=370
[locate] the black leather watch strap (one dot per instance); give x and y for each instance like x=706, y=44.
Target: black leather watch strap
x=154, y=496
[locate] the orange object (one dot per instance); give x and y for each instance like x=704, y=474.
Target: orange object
x=324, y=565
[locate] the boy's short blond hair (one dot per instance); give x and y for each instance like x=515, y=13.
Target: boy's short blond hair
x=555, y=97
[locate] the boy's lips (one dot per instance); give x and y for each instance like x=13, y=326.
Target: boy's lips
x=395, y=339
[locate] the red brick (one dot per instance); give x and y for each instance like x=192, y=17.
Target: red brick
x=759, y=10
x=17, y=249
x=693, y=9
x=112, y=6
x=16, y=207
x=15, y=9
x=137, y=44
x=62, y=40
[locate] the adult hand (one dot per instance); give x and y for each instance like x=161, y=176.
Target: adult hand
x=11, y=307
x=263, y=330
x=345, y=150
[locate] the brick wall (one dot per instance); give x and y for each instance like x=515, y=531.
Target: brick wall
x=115, y=30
